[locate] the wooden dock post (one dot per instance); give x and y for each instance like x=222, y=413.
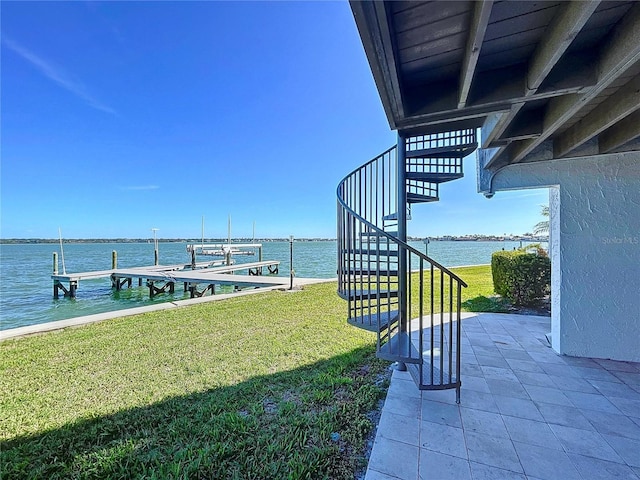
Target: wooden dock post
x=114, y=259
x=291, y=260
x=55, y=272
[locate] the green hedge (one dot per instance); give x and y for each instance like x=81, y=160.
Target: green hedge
x=523, y=278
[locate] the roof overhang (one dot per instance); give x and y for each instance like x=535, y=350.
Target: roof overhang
x=544, y=80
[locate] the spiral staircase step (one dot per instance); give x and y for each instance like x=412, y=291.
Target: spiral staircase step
x=399, y=348
x=457, y=151
x=374, y=322
x=417, y=198
x=433, y=177
x=371, y=294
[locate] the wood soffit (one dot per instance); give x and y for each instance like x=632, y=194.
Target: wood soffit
x=561, y=78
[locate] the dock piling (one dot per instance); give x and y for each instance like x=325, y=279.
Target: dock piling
x=55, y=263
x=291, y=260
x=114, y=259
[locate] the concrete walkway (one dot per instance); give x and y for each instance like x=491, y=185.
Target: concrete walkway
x=525, y=413
x=100, y=317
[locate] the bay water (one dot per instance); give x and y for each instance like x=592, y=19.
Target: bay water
x=26, y=288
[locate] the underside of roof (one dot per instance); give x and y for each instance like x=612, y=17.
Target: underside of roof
x=544, y=80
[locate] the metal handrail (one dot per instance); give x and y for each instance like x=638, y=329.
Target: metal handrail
x=378, y=230
x=374, y=265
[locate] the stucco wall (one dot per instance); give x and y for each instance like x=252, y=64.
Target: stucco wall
x=595, y=250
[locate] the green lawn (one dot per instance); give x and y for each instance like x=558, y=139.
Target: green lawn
x=478, y=279
x=273, y=385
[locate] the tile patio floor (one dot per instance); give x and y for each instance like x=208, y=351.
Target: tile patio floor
x=525, y=413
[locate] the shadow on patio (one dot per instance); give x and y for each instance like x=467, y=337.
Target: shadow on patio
x=525, y=413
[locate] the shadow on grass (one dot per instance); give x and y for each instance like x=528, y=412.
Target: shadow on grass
x=481, y=303
x=311, y=422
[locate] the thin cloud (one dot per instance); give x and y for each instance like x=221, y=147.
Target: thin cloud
x=140, y=187
x=57, y=75
x=542, y=194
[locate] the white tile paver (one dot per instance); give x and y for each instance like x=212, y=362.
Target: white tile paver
x=394, y=458
x=526, y=413
x=548, y=395
x=442, y=413
x=373, y=475
x=485, y=472
x=399, y=428
x=535, y=379
x=443, y=439
x=531, y=432
x=479, y=421
x=627, y=448
x=590, y=401
x=438, y=466
x=546, y=463
x=479, y=401
x=507, y=388
x=477, y=384
x=628, y=406
x=613, y=424
x=518, y=407
x=596, y=469
x=402, y=405
x=493, y=451
x=561, y=415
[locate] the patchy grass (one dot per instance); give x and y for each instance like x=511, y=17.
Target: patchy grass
x=273, y=385
x=494, y=303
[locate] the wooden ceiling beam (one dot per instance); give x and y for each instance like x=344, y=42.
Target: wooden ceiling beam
x=495, y=87
x=558, y=36
x=497, y=91
x=621, y=104
x=617, y=55
x=478, y=28
x=556, y=40
x=620, y=134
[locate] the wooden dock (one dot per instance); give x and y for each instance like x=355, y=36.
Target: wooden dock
x=162, y=278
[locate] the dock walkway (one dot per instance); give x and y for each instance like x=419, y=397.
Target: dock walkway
x=167, y=275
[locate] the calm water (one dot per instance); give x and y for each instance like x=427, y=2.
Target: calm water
x=26, y=288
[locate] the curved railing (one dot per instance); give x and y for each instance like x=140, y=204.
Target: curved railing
x=411, y=301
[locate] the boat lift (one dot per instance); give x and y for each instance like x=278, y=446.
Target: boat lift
x=225, y=250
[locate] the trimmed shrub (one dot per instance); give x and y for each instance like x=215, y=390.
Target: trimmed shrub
x=522, y=278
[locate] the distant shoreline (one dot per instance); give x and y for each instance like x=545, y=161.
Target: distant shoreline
x=447, y=238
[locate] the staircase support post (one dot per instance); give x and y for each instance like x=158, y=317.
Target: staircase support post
x=401, y=176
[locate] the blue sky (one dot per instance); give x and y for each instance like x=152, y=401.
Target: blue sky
x=118, y=117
